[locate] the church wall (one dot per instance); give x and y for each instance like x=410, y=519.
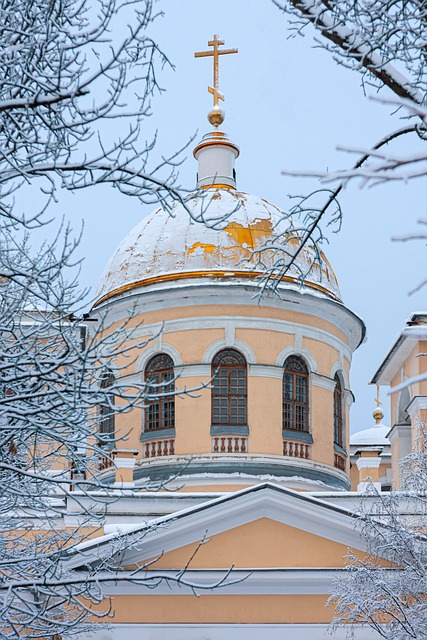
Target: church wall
x=267, y=609
x=191, y=334
x=322, y=425
x=265, y=415
x=193, y=419
x=192, y=343
x=262, y=543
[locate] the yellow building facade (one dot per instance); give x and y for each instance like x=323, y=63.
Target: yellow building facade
x=245, y=436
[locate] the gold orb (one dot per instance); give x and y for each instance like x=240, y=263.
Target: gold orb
x=378, y=415
x=216, y=116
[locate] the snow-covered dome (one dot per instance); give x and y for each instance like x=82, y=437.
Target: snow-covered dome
x=213, y=238
x=376, y=435
x=212, y=235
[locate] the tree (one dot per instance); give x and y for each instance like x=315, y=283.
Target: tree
x=64, y=74
x=386, y=589
x=385, y=43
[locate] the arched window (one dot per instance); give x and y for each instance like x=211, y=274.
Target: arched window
x=338, y=413
x=229, y=390
x=159, y=375
x=106, y=433
x=295, y=394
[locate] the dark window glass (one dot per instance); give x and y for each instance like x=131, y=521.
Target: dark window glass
x=159, y=375
x=229, y=389
x=106, y=433
x=295, y=394
x=338, y=419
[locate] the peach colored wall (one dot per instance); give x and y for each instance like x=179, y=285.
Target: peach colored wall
x=266, y=344
x=322, y=421
x=325, y=355
x=193, y=419
x=265, y=415
x=354, y=477
x=262, y=543
x=219, y=609
x=192, y=344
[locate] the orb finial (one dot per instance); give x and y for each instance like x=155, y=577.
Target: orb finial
x=216, y=115
x=378, y=413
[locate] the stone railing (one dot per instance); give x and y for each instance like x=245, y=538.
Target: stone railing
x=229, y=444
x=105, y=462
x=294, y=449
x=339, y=462
x=158, y=448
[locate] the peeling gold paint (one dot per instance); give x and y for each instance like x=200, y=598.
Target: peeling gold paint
x=252, y=235
x=208, y=248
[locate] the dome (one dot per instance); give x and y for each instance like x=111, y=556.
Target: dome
x=212, y=234
x=376, y=435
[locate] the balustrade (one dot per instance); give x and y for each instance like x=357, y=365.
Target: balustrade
x=229, y=444
x=339, y=462
x=294, y=449
x=159, y=448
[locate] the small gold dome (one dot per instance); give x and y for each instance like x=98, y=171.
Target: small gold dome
x=216, y=116
x=378, y=415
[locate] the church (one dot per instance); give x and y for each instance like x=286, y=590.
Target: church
x=246, y=433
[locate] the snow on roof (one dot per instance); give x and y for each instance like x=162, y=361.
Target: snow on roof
x=224, y=227
x=376, y=435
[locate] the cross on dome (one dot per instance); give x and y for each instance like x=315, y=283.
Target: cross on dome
x=216, y=114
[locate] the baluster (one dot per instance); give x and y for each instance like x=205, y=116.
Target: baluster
x=216, y=447
x=229, y=445
x=172, y=447
x=222, y=445
x=243, y=446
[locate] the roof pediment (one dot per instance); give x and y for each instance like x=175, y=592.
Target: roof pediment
x=253, y=512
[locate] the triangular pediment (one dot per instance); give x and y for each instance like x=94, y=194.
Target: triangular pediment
x=279, y=527
x=262, y=543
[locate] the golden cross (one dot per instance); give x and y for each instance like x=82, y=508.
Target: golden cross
x=215, y=43
x=377, y=399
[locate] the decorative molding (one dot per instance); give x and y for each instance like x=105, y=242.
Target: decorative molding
x=238, y=344
x=193, y=294
x=193, y=371
x=265, y=371
x=400, y=432
x=230, y=333
x=247, y=322
x=338, y=369
x=368, y=463
x=323, y=382
x=418, y=403
x=115, y=631
x=154, y=350
x=242, y=581
x=300, y=351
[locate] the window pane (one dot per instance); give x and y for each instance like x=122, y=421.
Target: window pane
x=159, y=373
x=295, y=394
x=229, y=385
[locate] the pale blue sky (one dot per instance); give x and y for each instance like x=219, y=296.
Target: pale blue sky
x=288, y=106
